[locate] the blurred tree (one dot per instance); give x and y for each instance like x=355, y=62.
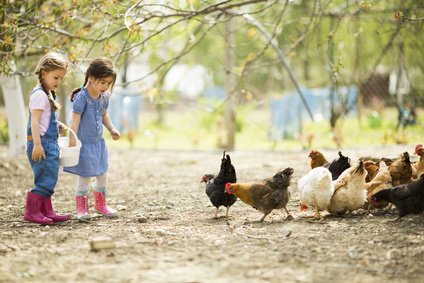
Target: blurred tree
x=317, y=37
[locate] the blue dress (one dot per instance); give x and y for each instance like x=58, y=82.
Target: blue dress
x=93, y=160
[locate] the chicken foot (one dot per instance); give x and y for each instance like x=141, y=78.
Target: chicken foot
x=263, y=217
x=216, y=213
x=317, y=215
x=289, y=216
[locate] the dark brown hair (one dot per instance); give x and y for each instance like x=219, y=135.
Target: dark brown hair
x=99, y=68
x=50, y=62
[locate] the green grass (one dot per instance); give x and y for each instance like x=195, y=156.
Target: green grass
x=195, y=129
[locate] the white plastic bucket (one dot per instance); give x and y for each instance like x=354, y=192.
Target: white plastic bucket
x=69, y=156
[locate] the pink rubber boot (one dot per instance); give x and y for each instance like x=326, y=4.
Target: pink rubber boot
x=50, y=213
x=100, y=204
x=82, y=207
x=33, y=209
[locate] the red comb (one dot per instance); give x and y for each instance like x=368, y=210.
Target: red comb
x=418, y=147
x=227, y=185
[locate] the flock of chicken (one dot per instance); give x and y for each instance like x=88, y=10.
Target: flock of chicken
x=334, y=186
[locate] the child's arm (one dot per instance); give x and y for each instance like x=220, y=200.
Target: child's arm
x=38, y=150
x=110, y=127
x=76, y=118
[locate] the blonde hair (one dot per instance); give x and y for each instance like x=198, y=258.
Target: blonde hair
x=99, y=68
x=50, y=62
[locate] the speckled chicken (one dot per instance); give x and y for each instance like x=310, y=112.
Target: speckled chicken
x=266, y=195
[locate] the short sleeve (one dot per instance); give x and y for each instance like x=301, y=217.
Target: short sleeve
x=39, y=100
x=79, y=103
x=106, y=101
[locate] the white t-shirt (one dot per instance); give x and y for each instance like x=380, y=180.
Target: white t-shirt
x=39, y=100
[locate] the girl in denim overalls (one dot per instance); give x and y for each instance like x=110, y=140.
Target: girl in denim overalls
x=42, y=134
x=89, y=114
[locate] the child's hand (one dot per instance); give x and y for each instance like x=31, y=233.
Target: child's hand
x=115, y=134
x=72, y=142
x=38, y=153
x=62, y=129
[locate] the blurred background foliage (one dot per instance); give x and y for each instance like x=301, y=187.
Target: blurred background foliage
x=326, y=43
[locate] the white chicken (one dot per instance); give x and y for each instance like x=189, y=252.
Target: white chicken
x=316, y=189
x=349, y=190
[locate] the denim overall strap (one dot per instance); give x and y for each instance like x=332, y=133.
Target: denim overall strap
x=29, y=132
x=52, y=132
x=46, y=171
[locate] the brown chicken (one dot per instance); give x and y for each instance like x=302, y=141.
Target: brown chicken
x=381, y=181
x=317, y=159
x=372, y=169
x=266, y=195
x=419, y=150
x=401, y=170
x=377, y=160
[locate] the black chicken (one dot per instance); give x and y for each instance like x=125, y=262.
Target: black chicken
x=215, y=185
x=337, y=166
x=408, y=198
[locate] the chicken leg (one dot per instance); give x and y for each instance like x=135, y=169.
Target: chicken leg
x=263, y=217
x=216, y=213
x=317, y=215
x=226, y=214
x=289, y=216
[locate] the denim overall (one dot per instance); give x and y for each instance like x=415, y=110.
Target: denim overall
x=46, y=171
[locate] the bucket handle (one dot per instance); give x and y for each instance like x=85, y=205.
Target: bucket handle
x=75, y=135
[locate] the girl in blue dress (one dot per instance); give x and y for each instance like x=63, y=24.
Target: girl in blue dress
x=89, y=114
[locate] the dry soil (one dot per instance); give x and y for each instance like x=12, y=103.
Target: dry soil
x=165, y=232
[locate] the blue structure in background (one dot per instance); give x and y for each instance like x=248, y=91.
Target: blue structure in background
x=288, y=111
x=124, y=110
x=215, y=93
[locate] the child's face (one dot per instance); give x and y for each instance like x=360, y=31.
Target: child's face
x=53, y=79
x=101, y=85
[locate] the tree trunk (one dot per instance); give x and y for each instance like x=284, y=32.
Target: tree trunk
x=334, y=115
x=357, y=67
x=400, y=74
x=230, y=85
x=15, y=109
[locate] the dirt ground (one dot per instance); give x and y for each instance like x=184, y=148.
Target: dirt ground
x=165, y=232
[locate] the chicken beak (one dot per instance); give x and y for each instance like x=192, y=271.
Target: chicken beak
x=373, y=200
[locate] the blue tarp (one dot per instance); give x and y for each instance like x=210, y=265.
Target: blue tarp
x=288, y=111
x=124, y=109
